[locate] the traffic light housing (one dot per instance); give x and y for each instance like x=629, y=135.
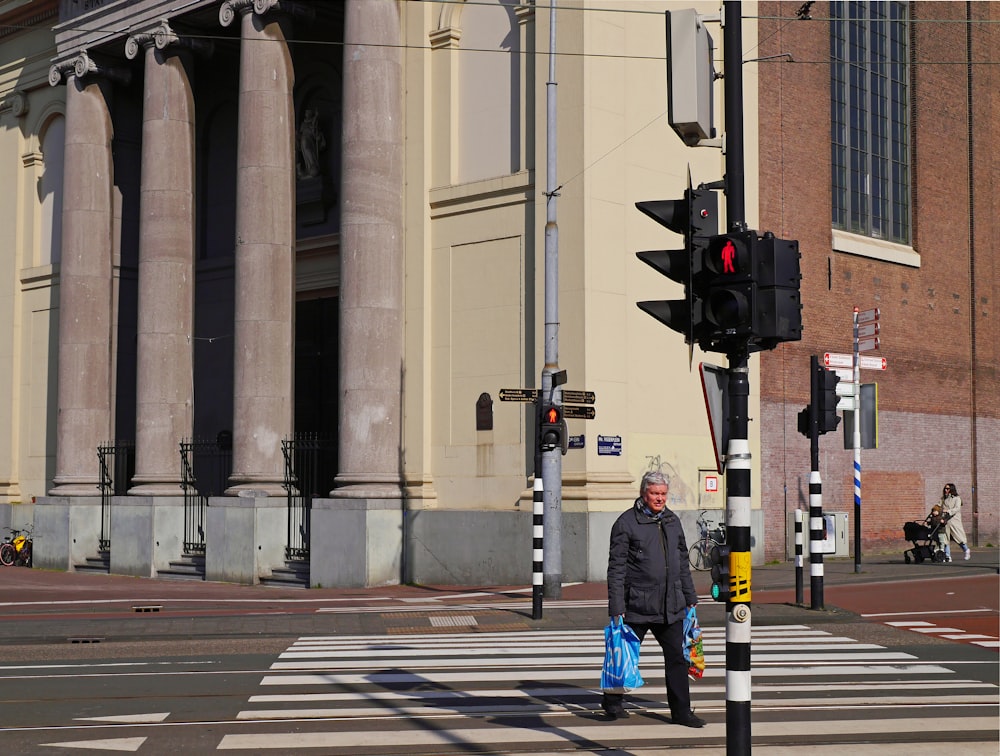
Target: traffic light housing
x=552, y=432
x=826, y=411
x=823, y=400
x=696, y=218
x=749, y=287
x=721, y=582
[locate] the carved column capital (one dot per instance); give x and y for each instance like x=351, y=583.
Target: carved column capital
x=162, y=36
x=16, y=103
x=229, y=9
x=82, y=65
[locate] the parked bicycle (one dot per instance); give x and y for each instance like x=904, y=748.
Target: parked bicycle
x=709, y=536
x=16, y=548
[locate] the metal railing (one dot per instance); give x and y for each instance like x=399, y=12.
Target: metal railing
x=310, y=468
x=205, y=470
x=117, y=466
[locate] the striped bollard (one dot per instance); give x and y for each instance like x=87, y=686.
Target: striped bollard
x=799, y=592
x=817, y=529
x=537, y=548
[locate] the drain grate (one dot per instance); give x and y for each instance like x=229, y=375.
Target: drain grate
x=85, y=640
x=455, y=620
x=151, y=608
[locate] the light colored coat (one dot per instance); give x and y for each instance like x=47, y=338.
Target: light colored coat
x=952, y=506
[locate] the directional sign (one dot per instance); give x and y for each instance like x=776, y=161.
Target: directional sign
x=869, y=329
x=868, y=316
x=867, y=345
x=830, y=359
x=871, y=363
x=846, y=388
x=578, y=412
x=518, y=395
x=846, y=403
x=578, y=397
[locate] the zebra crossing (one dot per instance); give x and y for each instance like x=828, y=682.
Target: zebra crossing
x=500, y=692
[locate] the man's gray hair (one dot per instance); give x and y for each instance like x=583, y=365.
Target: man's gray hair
x=653, y=478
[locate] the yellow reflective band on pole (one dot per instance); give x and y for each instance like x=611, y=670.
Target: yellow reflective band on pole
x=739, y=576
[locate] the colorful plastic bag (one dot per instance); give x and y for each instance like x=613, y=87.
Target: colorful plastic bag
x=621, y=658
x=694, y=652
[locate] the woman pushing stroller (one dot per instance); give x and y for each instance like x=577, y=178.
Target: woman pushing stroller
x=951, y=506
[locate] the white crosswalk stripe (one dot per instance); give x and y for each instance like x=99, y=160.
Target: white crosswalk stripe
x=539, y=689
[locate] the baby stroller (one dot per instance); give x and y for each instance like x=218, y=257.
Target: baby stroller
x=925, y=538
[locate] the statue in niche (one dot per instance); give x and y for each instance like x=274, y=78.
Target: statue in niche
x=311, y=143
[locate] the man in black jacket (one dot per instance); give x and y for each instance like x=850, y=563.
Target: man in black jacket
x=649, y=583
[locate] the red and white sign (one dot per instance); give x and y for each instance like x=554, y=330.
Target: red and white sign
x=837, y=360
x=711, y=483
x=871, y=363
x=869, y=329
x=868, y=316
x=867, y=345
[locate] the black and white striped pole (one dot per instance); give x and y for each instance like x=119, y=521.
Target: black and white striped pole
x=537, y=550
x=817, y=528
x=799, y=591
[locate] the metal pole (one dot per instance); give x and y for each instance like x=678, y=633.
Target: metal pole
x=552, y=460
x=857, y=450
x=799, y=592
x=817, y=528
x=738, y=463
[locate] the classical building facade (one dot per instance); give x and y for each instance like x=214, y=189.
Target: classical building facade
x=300, y=250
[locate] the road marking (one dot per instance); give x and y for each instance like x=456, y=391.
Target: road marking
x=127, y=718
x=483, y=738
x=110, y=744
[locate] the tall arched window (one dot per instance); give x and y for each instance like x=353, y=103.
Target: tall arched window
x=489, y=100
x=50, y=191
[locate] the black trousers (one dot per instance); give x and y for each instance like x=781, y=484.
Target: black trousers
x=671, y=640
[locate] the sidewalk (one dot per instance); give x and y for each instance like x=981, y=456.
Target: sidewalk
x=47, y=606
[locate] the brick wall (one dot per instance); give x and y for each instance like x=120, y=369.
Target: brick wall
x=939, y=400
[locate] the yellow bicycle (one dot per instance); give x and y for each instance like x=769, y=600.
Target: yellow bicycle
x=16, y=548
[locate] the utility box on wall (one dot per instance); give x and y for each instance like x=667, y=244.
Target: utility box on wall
x=837, y=542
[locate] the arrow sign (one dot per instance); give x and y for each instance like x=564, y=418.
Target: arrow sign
x=579, y=397
x=518, y=395
x=868, y=316
x=869, y=329
x=578, y=412
x=867, y=345
x=871, y=363
x=834, y=360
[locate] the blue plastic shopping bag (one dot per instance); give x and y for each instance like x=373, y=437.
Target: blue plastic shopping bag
x=694, y=652
x=621, y=658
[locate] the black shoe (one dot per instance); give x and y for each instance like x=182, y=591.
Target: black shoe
x=691, y=720
x=614, y=710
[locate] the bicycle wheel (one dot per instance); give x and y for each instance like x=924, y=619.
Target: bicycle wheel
x=700, y=554
x=7, y=554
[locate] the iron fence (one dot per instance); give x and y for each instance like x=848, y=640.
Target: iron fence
x=205, y=470
x=310, y=468
x=117, y=466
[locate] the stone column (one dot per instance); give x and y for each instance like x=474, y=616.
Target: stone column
x=371, y=254
x=85, y=384
x=265, y=238
x=164, y=380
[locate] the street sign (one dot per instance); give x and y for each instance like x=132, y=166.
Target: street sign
x=845, y=374
x=830, y=359
x=868, y=316
x=609, y=446
x=715, y=387
x=846, y=388
x=846, y=403
x=578, y=412
x=867, y=345
x=518, y=395
x=869, y=329
x=871, y=363
x=578, y=397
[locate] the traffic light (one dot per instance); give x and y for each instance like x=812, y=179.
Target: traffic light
x=822, y=400
x=721, y=584
x=826, y=410
x=552, y=434
x=750, y=290
x=696, y=218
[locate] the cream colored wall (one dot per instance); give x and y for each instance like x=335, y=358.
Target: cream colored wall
x=475, y=322
x=27, y=297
